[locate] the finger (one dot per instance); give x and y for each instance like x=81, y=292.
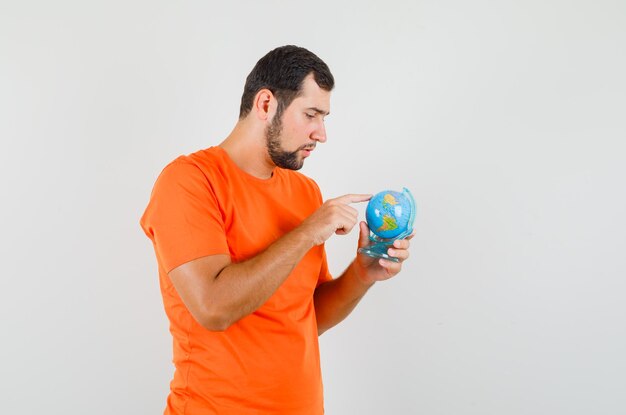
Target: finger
x=344, y=213
x=401, y=244
x=345, y=228
x=353, y=198
x=408, y=238
x=345, y=224
x=347, y=211
x=364, y=234
x=391, y=267
x=401, y=254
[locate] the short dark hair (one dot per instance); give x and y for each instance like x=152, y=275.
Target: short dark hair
x=282, y=71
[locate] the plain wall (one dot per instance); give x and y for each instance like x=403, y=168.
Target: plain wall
x=505, y=119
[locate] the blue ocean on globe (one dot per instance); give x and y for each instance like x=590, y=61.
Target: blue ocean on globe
x=390, y=214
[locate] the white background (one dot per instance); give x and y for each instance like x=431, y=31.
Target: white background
x=506, y=119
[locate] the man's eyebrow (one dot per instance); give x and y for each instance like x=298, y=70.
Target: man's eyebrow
x=319, y=111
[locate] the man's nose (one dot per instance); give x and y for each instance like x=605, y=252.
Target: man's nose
x=319, y=134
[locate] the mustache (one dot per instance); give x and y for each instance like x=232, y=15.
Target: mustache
x=308, y=146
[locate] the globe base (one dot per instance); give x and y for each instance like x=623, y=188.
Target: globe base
x=378, y=250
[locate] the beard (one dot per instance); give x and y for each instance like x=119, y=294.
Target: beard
x=282, y=158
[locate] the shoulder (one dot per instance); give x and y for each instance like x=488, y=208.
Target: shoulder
x=200, y=165
x=194, y=173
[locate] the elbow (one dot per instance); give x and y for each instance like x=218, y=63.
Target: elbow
x=214, y=320
x=216, y=325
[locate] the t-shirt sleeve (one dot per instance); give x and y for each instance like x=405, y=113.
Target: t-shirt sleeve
x=325, y=275
x=183, y=218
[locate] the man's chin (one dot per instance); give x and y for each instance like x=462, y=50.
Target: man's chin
x=291, y=163
x=300, y=163
x=297, y=166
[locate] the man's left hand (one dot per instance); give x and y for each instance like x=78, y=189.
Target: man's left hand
x=371, y=269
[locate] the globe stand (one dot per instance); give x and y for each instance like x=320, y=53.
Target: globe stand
x=379, y=246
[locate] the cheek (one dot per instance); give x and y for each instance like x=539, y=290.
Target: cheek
x=298, y=127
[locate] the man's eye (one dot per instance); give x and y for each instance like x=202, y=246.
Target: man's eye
x=309, y=115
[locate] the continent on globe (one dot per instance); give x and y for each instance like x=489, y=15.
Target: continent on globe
x=389, y=201
x=389, y=223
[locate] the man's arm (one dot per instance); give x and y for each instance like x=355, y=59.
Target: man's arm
x=335, y=300
x=218, y=293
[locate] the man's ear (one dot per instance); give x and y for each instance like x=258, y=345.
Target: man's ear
x=265, y=105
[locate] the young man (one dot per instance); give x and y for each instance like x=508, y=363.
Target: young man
x=239, y=238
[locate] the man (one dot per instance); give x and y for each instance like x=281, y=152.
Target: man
x=239, y=238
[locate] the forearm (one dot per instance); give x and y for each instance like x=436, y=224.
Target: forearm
x=241, y=288
x=335, y=300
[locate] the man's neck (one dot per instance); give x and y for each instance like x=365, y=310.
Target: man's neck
x=245, y=145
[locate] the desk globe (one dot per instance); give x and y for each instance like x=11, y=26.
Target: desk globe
x=390, y=216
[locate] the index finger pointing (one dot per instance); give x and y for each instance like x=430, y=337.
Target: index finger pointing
x=354, y=198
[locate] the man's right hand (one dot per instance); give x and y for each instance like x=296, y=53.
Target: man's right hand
x=334, y=216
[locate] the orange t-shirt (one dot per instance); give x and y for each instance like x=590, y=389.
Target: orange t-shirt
x=267, y=362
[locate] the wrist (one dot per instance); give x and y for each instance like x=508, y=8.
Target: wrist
x=300, y=237
x=360, y=274
x=309, y=233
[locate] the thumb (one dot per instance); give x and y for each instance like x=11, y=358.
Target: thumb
x=364, y=234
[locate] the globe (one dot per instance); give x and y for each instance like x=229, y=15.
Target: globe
x=390, y=214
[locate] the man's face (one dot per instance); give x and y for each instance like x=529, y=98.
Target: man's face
x=292, y=136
